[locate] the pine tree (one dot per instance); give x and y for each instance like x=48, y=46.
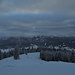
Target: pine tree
x=1, y=55
x=16, y=53
x=73, y=56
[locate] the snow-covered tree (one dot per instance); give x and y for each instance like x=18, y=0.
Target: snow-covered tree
x=16, y=53
x=58, y=55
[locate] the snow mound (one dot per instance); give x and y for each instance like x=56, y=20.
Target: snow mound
x=31, y=64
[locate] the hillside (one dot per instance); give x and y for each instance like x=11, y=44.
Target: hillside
x=31, y=64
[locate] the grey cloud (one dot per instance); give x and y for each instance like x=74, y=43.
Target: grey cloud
x=36, y=6
x=37, y=17
x=37, y=24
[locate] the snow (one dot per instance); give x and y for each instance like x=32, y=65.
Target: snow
x=7, y=50
x=56, y=47
x=31, y=64
x=35, y=46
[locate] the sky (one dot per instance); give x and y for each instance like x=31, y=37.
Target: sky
x=37, y=17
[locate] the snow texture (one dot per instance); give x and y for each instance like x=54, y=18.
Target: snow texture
x=31, y=64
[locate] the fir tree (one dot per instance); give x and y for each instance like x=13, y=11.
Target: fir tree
x=16, y=53
x=1, y=55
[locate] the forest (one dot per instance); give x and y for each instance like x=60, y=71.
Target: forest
x=51, y=48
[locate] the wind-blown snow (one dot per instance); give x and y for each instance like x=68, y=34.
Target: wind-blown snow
x=31, y=64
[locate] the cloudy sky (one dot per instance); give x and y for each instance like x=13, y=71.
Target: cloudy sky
x=37, y=17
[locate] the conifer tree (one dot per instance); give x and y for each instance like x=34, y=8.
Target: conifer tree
x=16, y=53
x=1, y=55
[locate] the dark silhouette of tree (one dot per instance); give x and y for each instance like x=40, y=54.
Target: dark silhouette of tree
x=58, y=55
x=1, y=55
x=16, y=53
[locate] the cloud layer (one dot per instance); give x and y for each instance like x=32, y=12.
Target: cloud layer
x=37, y=6
x=37, y=17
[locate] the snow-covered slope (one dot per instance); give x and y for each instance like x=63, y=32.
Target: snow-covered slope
x=31, y=64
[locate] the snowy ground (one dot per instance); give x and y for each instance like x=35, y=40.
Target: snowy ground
x=32, y=65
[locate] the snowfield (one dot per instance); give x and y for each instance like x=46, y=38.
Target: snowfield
x=31, y=64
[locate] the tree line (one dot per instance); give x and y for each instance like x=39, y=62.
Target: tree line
x=15, y=53
x=58, y=55
x=47, y=54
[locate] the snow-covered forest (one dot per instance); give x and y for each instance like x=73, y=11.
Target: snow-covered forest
x=41, y=55
x=51, y=47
